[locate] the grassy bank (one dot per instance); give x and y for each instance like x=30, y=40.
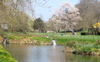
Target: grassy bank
x=5, y=56
x=27, y=38
x=84, y=48
x=40, y=38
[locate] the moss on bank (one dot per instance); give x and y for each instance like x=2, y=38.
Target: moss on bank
x=84, y=48
x=5, y=56
x=21, y=38
x=30, y=40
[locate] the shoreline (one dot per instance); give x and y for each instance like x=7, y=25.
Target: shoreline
x=83, y=48
x=5, y=56
x=75, y=47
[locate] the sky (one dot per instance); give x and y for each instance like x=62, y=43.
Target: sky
x=46, y=11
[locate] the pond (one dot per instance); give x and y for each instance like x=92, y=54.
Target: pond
x=34, y=53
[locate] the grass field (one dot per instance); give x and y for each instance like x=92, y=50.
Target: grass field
x=63, y=39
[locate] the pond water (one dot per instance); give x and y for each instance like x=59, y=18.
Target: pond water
x=33, y=53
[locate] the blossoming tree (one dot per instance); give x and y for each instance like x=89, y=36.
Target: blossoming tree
x=68, y=15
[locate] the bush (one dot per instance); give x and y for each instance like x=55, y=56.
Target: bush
x=84, y=33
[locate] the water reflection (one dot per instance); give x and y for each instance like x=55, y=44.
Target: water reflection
x=30, y=53
x=81, y=58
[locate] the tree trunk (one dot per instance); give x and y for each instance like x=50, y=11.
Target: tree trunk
x=65, y=30
x=73, y=33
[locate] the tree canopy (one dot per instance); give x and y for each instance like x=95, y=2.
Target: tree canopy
x=39, y=24
x=89, y=11
x=66, y=17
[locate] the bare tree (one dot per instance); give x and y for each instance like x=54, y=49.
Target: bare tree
x=14, y=13
x=89, y=11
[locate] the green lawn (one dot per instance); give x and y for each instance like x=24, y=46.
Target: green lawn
x=69, y=37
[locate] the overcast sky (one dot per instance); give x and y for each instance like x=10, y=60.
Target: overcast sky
x=47, y=10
